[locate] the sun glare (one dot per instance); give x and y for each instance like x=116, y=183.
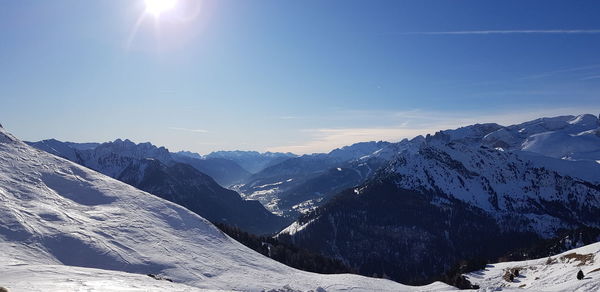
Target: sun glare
x=156, y=7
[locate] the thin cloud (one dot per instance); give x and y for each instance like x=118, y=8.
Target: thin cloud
x=188, y=130
x=567, y=70
x=591, y=77
x=490, y=32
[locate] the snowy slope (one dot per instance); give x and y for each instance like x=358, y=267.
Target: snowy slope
x=565, y=137
x=556, y=273
x=55, y=212
x=504, y=184
x=43, y=278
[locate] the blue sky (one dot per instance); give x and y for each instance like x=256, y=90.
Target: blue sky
x=301, y=76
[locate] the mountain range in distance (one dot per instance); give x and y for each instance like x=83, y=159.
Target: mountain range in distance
x=408, y=211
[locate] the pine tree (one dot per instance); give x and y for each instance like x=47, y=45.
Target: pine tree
x=580, y=275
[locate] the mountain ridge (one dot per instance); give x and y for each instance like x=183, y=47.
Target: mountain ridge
x=155, y=169
x=522, y=196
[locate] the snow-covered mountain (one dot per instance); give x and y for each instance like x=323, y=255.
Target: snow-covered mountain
x=501, y=182
x=451, y=196
x=110, y=158
x=98, y=156
x=59, y=219
x=177, y=179
x=301, y=184
x=565, y=137
x=252, y=161
x=502, y=186
x=554, y=273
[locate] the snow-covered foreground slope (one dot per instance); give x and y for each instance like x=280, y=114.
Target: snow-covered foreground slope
x=556, y=273
x=42, y=278
x=57, y=217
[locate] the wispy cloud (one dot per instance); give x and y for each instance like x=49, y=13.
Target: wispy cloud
x=519, y=31
x=591, y=77
x=188, y=130
x=560, y=71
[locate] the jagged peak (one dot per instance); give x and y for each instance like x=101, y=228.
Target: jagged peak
x=127, y=148
x=120, y=141
x=471, y=132
x=130, y=144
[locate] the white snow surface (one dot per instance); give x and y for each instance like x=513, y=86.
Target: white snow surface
x=66, y=227
x=556, y=273
x=42, y=278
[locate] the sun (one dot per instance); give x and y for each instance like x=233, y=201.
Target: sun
x=156, y=7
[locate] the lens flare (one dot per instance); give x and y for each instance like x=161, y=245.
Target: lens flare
x=156, y=7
